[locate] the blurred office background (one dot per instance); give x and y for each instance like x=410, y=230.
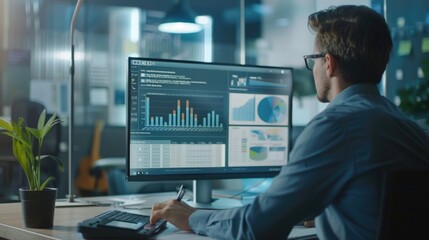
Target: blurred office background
x=35, y=56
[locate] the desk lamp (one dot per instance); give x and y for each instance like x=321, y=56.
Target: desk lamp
x=70, y=196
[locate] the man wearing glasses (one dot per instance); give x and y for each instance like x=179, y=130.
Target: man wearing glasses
x=336, y=167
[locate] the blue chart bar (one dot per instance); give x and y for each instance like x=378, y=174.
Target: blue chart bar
x=246, y=112
x=209, y=120
x=186, y=118
x=187, y=113
x=174, y=118
x=147, y=111
x=178, y=113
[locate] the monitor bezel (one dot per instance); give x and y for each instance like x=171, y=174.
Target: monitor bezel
x=202, y=176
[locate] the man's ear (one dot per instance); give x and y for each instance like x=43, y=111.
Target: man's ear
x=331, y=64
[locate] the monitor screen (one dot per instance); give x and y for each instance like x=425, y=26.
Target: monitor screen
x=195, y=120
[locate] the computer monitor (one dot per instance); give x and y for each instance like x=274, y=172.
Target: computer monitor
x=200, y=121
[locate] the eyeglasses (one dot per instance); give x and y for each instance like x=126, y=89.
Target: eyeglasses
x=310, y=59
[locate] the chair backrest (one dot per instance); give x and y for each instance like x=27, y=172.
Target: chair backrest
x=405, y=205
x=28, y=110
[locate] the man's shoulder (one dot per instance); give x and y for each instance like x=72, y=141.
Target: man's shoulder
x=336, y=113
x=352, y=115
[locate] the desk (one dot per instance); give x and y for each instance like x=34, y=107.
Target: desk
x=67, y=218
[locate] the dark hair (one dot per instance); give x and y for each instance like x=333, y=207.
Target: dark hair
x=358, y=38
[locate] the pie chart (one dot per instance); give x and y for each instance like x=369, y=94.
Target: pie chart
x=258, y=153
x=272, y=110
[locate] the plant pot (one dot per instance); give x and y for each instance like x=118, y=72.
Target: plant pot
x=38, y=207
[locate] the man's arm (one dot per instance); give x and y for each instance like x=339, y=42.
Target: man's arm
x=316, y=172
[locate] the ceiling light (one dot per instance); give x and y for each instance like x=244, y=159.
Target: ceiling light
x=180, y=19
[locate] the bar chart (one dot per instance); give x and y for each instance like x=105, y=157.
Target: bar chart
x=182, y=114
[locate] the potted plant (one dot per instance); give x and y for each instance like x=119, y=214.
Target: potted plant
x=415, y=97
x=37, y=200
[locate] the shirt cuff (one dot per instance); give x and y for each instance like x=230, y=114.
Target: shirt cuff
x=198, y=221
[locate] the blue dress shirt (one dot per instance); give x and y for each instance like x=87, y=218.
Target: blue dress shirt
x=334, y=173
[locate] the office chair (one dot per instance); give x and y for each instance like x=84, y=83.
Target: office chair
x=30, y=111
x=405, y=205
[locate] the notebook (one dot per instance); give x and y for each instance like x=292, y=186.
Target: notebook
x=116, y=224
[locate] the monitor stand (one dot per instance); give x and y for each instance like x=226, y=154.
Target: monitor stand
x=202, y=197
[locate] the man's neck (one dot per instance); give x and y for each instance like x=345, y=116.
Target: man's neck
x=337, y=85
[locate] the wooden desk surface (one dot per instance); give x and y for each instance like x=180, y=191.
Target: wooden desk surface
x=65, y=222
x=67, y=218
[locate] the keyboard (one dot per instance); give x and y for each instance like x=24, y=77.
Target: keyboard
x=115, y=224
x=302, y=233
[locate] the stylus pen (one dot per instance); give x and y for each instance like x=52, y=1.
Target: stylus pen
x=181, y=193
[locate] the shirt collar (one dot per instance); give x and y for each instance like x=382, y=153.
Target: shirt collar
x=361, y=88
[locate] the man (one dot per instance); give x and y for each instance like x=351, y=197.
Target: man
x=336, y=167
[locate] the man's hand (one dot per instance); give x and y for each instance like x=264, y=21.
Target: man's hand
x=175, y=212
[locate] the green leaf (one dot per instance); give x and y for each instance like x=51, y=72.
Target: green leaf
x=49, y=124
x=21, y=153
x=15, y=137
x=6, y=125
x=48, y=180
x=42, y=118
x=35, y=132
x=56, y=159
